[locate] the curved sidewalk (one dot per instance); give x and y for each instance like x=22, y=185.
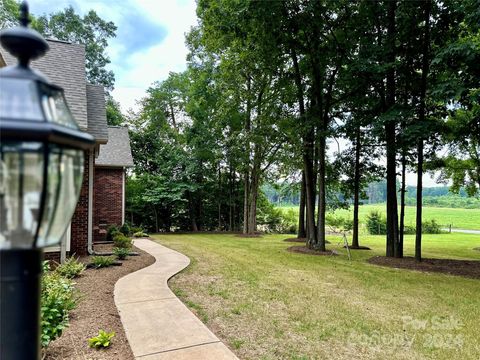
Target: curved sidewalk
x=157, y=324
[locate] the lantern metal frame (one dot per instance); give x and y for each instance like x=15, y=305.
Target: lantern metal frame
x=20, y=268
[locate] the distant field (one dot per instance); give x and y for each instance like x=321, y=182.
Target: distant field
x=459, y=218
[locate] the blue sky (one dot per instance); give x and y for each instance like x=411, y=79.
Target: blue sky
x=149, y=43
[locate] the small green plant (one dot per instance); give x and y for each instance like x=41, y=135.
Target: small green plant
x=71, y=268
x=125, y=229
x=102, y=340
x=135, y=229
x=140, y=234
x=58, y=298
x=121, y=253
x=122, y=241
x=102, y=261
x=112, y=231
x=45, y=266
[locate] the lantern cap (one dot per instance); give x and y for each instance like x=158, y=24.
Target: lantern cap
x=23, y=43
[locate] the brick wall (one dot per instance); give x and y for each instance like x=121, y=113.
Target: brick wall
x=79, y=238
x=52, y=256
x=107, y=200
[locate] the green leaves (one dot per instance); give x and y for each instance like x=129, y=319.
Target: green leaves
x=102, y=340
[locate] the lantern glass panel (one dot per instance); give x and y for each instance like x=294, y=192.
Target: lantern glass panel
x=65, y=177
x=22, y=172
x=19, y=99
x=21, y=180
x=56, y=109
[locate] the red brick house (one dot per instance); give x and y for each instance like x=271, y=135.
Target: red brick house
x=109, y=181
x=102, y=196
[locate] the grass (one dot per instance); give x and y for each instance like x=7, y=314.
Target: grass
x=267, y=303
x=459, y=218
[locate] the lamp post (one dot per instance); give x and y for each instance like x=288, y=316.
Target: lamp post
x=41, y=173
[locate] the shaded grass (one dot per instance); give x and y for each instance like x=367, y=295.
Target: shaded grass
x=459, y=218
x=267, y=303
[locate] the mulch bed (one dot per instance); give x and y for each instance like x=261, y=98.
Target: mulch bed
x=466, y=268
x=301, y=240
x=359, y=248
x=305, y=250
x=96, y=311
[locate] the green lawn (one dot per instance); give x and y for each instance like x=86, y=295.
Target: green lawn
x=459, y=218
x=267, y=303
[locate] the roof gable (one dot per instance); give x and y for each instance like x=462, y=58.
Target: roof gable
x=117, y=152
x=64, y=65
x=97, y=115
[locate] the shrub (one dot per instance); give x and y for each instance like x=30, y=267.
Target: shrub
x=139, y=234
x=102, y=340
x=122, y=241
x=102, y=261
x=431, y=227
x=135, y=229
x=58, y=297
x=125, y=229
x=339, y=222
x=121, y=253
x=112, y=231
x=71, y=268
x=376, y=223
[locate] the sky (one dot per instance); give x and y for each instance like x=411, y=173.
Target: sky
x=150, y=39
x=150, y=43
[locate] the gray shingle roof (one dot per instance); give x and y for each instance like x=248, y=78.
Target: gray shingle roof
x=117, y=152
x=64, y=65
x=97, y=116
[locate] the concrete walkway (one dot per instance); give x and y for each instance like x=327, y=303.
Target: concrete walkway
x=158, y=325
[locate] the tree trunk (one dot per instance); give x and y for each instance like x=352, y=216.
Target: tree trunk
x=219, y=198
x=230, y=199
x=307, y=154
x=356, y=190
x=392, y=211
x=156, y=219
x=421, y=118
x=402, y=205
x=246, y=192
x=301, y=214
x=322, y=206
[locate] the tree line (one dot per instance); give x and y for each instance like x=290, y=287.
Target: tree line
x=271, y=90
x=271, y=86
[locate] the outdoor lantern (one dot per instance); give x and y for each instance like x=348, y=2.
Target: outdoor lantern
x=41, y=164
x=41, y=173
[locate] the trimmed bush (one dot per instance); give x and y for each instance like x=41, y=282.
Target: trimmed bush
x=112, y=231
x=121, y=253
x=71, y=268
x=122, y=241
x=125, y=229
x=58, y=298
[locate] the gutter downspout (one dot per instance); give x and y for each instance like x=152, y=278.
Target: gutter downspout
x=90, y=203
x=123, y=196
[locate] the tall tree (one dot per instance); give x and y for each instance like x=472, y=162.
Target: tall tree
x=90, y=30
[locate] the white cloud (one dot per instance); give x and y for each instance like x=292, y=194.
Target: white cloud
x=154, y=64
x=150, y=39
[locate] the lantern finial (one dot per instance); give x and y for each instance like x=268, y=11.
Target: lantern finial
x=24, y=18
x=23, y=43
